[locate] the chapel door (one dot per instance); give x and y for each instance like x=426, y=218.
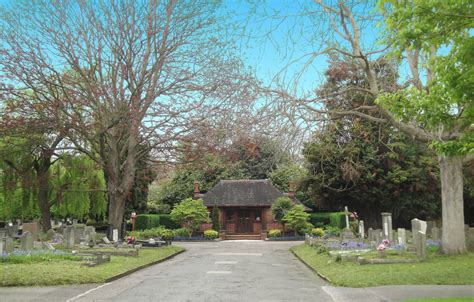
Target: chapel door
x=244, y=223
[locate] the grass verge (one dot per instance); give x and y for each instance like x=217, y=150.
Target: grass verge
x=442, y=300
x=62, y=272
x=438, y=269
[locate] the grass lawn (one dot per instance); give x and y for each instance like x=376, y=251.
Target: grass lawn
x=71, y=272
x=438, y=269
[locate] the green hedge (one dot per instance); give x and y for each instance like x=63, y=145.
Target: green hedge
x=149, y=221
x=167, y=222
x=335, y=219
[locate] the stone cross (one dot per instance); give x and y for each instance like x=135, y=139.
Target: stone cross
x=347, y=217
x=361, y=229
x=26, y=240
x=387, y=226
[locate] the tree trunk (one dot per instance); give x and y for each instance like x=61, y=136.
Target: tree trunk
x=116, y=208
x=453, y=237
x=42, y=176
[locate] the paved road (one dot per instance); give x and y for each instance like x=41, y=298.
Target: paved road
x=228, y=271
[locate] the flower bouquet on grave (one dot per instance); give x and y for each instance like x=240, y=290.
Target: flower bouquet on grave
x=381, y=248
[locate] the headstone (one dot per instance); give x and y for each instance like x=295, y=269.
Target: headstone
x=361, y=229
x=115, y=235
x=26, y=241
x=435, y=233
x=8, y=244
x=415, y=228
x=371, y=234
x=78, y=233
x=430, y=224
x=3, y=233
x=421, y=245
x=69, y=236
x=387, y=226
x=394, y=236
x=402, y=236
x=378, y=236
x=50, y=234
x=106, y=240
x=33, y=228
x=347, y=217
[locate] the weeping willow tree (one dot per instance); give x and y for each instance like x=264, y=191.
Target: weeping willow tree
x=76, y=187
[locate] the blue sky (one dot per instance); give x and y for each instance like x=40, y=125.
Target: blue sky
x=276, y=40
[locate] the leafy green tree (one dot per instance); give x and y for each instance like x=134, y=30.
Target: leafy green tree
x=190, y=214
x=280, y=208
x=286, y=173
x=297, y=219
x=437, y=106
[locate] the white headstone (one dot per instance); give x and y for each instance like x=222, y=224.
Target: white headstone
x=115, y=235
x=402, y=236
x=361, y=229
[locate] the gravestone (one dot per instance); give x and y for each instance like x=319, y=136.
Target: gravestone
x=347, y=217
x=33, y=228
x=26, y=241
x=387, y=226
x=370, y=234
x=421, y=245
x=378, y=236
x=69, y=236
x=106, y=240
x=50, y=234
x=361, y=229
x=436, y=233
x=402, y=236
x=3, y=233
x=394, y=236
x=2, y=247
x=115, y=235
x=7, y=243
x=78, y=233
x=430, y=224
x=417, y=226
x=470, y=239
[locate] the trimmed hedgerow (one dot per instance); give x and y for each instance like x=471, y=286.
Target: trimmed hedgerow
x=149, y=221
x=335, y=219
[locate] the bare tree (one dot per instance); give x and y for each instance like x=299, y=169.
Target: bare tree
x=130, y=71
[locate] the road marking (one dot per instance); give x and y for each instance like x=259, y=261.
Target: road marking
x=226, y=262
x=87, y=292
x=238, y=254
x=218, y=272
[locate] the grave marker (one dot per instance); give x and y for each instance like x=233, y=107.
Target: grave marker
x=26, y=241
x=387, y=225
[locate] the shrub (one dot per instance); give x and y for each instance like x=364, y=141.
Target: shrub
x=319, y=219
x=166, y=234
x=190, y=214
x=297, y=219
x=317, y=232
x=216, y=225
x=274, y=233
x=332, y=230
x=147, y=221
x=211, y=234
x=337, y=219
x=181, y=232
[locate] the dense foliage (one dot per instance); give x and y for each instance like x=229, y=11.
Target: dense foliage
x=366, y=166
x=280, y=208
x=190, y=213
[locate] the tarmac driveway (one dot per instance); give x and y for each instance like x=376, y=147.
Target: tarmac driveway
x=228, y=271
